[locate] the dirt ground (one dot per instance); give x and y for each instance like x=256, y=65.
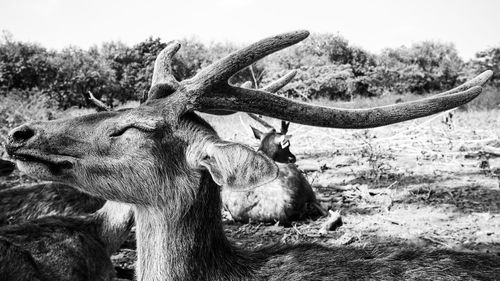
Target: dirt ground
x=426, y=183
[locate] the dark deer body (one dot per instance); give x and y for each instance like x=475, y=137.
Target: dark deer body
x=65, y=248
x=26, y=202
x=170, y=164
x=52, y=234
x=61, y=248
x=283, y=199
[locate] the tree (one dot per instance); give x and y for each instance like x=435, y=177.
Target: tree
x=487, y=59
x=424, y=67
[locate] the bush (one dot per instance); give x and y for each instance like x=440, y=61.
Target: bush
x=328, y=68
x=425, y=67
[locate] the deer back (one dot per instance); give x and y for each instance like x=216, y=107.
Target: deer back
x=26, y=202
x=60, y=248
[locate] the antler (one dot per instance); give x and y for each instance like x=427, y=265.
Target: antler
x=99, y=104
x=164, y=82
x=219, y=72
x=476, y=81
x=209, y=90
x=272, y=88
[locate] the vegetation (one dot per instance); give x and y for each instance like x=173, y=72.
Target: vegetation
x=328, y=68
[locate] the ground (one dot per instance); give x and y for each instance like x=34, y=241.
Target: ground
x=426, y=183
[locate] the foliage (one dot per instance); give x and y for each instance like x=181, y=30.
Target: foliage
x=422, y=68
x=487, y=59
x=24, y=66
x=328, y=68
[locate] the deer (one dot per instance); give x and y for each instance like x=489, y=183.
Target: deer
x=288, y=196
x=169, y=164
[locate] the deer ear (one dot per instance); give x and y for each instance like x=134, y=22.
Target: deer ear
x=256, y=133
x=238, y=167
x=284, y=127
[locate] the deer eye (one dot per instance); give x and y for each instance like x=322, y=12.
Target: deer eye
x=120, y=131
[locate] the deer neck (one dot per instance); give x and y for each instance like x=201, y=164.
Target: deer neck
x=115, y=222
x=192, y=247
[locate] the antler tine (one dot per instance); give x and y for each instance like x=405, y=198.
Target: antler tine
x=476, y=81
x=272, y=88
x=280, y=83
x=260, y=102
x=99, y=104
x=164, y=82
x=248, y=85
x=261, y=121
x=219, y=72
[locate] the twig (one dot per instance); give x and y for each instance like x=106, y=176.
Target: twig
x=392, y=221
x=333, y=222
x=295, y=228
x=435, y=241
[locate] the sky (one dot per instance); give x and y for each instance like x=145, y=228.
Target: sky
x=472, y=25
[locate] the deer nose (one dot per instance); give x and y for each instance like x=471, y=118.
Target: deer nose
x=20, y=135
x=291, y=159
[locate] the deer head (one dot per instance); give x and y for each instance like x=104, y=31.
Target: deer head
x=152, y=154
x=274, y=144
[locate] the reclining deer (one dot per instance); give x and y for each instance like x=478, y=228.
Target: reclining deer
x=65, y=248
x=283, y=199
x=169, y=164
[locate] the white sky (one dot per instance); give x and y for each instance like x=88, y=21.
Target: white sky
x=473, y=25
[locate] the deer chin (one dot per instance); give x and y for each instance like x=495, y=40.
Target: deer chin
x=46, y=167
